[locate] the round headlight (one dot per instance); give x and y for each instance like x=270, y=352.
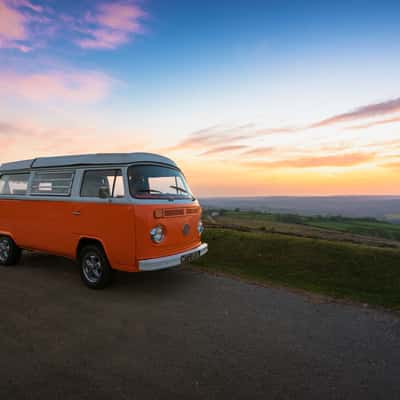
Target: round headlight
x=157, y=234
x=200, y=227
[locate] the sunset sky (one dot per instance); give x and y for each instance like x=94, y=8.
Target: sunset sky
x=249, y=97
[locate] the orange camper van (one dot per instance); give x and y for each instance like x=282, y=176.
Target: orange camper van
x=130, y=212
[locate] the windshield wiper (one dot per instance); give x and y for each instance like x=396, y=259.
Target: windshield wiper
x=179, y=188
x=150, y=191
x=183, y=190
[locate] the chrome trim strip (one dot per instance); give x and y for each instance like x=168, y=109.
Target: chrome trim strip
x=77, y=199
x=154, y=264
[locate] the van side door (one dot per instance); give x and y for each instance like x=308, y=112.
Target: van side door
x=47, y=211
x=103, y=213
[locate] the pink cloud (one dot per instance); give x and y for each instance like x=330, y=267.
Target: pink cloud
x=273, y=131
x=261, y=151
x=120, y=16
x=77, y=87
x=25, y=25
x=112, y=25
x=28, y=4
x=213, y=136
x=375, y=123
x=368, y=111
x=224, y=149
x=13, y=26
x=104, y=39
x=334, y=160
x=361, y=113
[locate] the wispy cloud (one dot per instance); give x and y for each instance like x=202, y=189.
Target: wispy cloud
x=336, y=160
x=364, y=112
x=25, y=25
x=273, y=131
x=213, y=136
x=224, y=149
x=112, y=25
x=15, y=24
x=27, y=4
x=260, y=151
x=216, y=135
x=375, y=123
x=76, y=86
x=6, y=128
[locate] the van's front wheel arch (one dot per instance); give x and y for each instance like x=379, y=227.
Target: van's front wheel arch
x=95, y=270
x=10, y=253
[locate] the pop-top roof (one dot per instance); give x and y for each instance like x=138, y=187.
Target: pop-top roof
x=86, y=159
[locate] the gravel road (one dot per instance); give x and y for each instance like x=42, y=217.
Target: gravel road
x=184, y=334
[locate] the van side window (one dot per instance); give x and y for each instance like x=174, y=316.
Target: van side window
x=14, y=184
x=103, y=184
x=52, y=183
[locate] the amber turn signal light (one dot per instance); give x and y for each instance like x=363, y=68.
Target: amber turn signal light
x=158, y=213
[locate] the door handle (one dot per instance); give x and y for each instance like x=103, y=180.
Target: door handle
x=76, y=213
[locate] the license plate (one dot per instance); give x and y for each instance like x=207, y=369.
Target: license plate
x=188, y=258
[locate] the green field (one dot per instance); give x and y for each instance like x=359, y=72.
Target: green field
x=364, y=274
x=294, y=223
x=358, y=226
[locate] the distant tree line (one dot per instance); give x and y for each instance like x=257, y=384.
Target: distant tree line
x=290, y=218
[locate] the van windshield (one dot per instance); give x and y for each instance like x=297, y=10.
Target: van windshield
x=154, y=181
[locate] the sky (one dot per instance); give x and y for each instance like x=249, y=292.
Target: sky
x=249, y=97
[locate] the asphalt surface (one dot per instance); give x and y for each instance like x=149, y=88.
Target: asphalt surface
x=184, y=334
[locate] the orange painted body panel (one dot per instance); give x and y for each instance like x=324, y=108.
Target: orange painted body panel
x=175, y=241
x=113, y=225
x=123, y=229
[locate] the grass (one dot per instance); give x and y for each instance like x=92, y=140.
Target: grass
x=342, y=270
x=291, y=222
x=361, y=227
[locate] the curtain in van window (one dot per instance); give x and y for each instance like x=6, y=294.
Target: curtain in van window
x=15, y=184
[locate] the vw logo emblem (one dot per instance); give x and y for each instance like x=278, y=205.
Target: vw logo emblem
x=186, y=229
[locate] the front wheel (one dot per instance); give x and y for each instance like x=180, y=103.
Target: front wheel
x=10, y=253
x=95, y=269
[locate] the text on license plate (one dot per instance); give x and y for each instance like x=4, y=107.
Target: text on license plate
x=188, y=258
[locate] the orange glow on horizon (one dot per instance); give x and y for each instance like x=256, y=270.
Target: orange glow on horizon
x=210, y=180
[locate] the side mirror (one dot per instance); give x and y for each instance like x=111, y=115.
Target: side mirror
x=104, y=192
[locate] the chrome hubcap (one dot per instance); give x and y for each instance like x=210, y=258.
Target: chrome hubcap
x=4, y=250
x=92, y=268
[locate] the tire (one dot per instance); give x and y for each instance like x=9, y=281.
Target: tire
x=95, y=270
x=10, y=253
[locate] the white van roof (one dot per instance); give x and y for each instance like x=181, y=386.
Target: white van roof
x=86, y=159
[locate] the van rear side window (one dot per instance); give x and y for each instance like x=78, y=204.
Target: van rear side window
x=14, y=184
x=52, y=183
x=103, y=184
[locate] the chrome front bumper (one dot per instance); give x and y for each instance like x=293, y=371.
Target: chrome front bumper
x=153, y=264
